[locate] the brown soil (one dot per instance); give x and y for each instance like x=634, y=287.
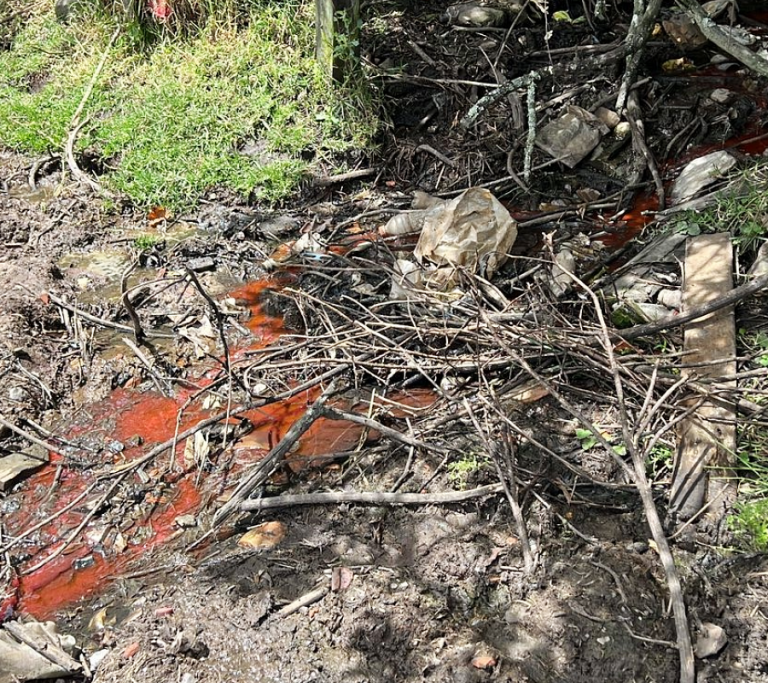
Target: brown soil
x=437, y=593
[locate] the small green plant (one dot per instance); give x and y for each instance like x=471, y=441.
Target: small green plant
x=460, y=471
x=659, y=461
x=146, y=242
x=587, y=440
x=750, y=524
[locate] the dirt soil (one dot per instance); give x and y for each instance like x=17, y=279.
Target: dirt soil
x=408, y=594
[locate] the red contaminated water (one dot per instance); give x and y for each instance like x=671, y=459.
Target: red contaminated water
x=146, y=516
x=630, y=224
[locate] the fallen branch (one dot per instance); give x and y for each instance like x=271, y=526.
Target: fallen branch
x=372, y=498
x=491, y=98
x=726, y=43
x=643, y=20
x=733, y=297
x=264, y=469
x=640, y=479
x=76, y=125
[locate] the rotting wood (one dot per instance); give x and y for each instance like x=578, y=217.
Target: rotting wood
x=708, y=437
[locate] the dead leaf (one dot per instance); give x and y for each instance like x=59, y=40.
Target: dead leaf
x=196, y=450
x=156, y=215
x=263, y=537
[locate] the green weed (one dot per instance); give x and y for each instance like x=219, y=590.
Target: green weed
x=146, y=242
x=587, y=440
x=742, y=210
x=750, y=524
x=461, y=471
x=659, y=461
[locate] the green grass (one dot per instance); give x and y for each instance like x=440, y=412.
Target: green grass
x=170, y=117
x=742, y=211
x=750, y=525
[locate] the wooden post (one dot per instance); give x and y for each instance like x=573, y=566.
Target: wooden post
x=337, y=43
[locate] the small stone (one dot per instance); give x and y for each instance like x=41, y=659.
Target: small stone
x=622, y=131
x=201, y=264
x=711, y=641
x=604, y=640
x=608, y=117
x=721, y=95
x=186, y=521
x=188, y=678
x=95, y=660
x=17, y=394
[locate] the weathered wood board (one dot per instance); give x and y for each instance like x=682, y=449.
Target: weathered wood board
x=707, y=439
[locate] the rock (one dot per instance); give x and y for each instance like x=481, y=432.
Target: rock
x=186, y=521
x=95, y=660
x=277, y=226
x=62, y=9
x=15, y=465
x=201, y=264
x=760, y=266
x=711, y=640
x=699, y=174
x=721, y=95
x=17, y=394
x=622, y=131
x=610, y=118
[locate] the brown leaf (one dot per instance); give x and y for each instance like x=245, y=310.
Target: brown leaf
x=263, y=537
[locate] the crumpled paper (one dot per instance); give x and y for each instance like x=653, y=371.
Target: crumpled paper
x=473, y=231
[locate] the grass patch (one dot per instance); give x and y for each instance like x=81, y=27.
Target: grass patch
x=239, y=106
x=742, y=211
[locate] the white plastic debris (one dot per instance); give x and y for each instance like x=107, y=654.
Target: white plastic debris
x=700, y=173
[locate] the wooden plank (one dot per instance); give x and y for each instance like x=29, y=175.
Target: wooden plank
x=707, y=439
